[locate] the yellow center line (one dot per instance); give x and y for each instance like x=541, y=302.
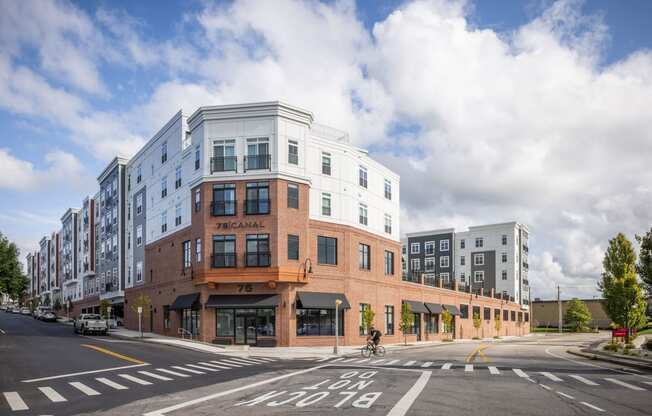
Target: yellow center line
x=113, y=354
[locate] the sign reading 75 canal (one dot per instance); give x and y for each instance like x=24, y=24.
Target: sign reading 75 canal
x=239, y=224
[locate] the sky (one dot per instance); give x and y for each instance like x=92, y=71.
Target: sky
x=533, y=111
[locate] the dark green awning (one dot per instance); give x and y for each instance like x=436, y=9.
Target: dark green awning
x=452, y=309
x=319, y=300
x=243, y=301
x=417, y=307
x=434, y=308
x=189, y=301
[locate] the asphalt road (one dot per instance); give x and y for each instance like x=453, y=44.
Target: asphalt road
x=530, y=376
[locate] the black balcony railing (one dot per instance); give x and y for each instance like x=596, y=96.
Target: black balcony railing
x=253, y=162
x=223, y=208
x=259, y=259
x=224, y=260
x=224, y=164
x=414, y=277
x=257, y=206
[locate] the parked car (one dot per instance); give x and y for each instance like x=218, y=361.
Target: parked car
x=48, y=316
x=90, y=322
x=3, y=307
x=39, y=311
x=25, y=311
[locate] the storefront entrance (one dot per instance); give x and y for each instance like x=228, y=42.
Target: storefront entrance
x=245, y=327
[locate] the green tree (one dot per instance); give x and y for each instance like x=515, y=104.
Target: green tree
x=57, y=305
x=644, y=266
x=368, y=316
x=104, y=305
x=447, y=319
x=477, y=322
x=144, y=302
x=624, y=301
x=498, y=324
x=407, y=321
x=12, y=280
x=577, y=314
x=47, y=300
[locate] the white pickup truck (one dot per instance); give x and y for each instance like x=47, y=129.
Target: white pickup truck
x=90, y=323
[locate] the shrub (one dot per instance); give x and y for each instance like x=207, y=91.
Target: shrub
x=476, y=338
x=612, y=346
x=629, y=345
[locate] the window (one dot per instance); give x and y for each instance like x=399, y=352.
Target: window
x=224, y=251
x=164, y=152
x=197, y=158
x=257, y=201
x=478, y=259
x=445, y=277
x=462, y=260
x=164, y=221
x=326, y=204
x=429, y=248
x=388, y=189
x=264, y=321
x=177, y=215
x=129, y=182
x=429, y=264
x=478, y=276
x=487, y=314
x=363, y=328
x=258, y=254
x=504, y=275
x=513, y=315
x=362, y=176
x=224, y=322
x=326, y=250
x=362, y=210
x=504, y=257
x=444, y=245
x=527, y=317
x=364, y=257
x=198, y=250
x=444, y=261
x=462, y=277
x=504, y=239
x=415, y=248
x=293, y=196
x=389, y=320
x=464, y=311
x=224, y=202
x=191, y=320
x=166, y=316
x=177, y=177
x=258, y=154
x=164, y=187
x=293, y=247
x=139, y=173
x=505, y=315
x=388, y=223
x=389, y=263
x=115, y=215
x=224, y=158
x=496, y=313
x=197, y=200
x=186, y=254
x=293, y=152
x=326, y=163
x=416, y=264
x=139, y=272
x=432, y=323
x=479, y=242
x=315, y=322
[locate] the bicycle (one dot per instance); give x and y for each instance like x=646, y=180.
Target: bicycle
x=370, y=349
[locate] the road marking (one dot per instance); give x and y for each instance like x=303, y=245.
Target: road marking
x=113, y=354
x=468, y=368
x=583, y=380
x=174, y=373
x=391, y=362
x=226, y=364
x=112, y=384
x=596, y=408
x=409, y=363
x=2, y=332
x=321, y=360
x=156, y=376
x=52, y=394
x=15, y=401
x=214, y=370
x=84, y=388
x=348, y=360
x=269, y=360
x=135, y=379
x=242, y=361
x=378, y=361
x=190, y=370
x=427, y=364
x=493, y=370
x=446, y=366
x=183, y=405
x=337, y=359
x=568, y=396
x=550, y=376
x=545, y=387
x=403, y=405
x=364, y=360
x=520, y=373
x=622, y=383
x=630, y=370
x=34, y=380
x=221, y=367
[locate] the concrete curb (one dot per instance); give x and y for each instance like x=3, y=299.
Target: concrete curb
x=600, y=357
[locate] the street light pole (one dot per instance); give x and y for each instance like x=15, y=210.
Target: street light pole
x=559, y=307
x=337, y=327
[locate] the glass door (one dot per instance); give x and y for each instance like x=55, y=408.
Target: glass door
x=240, y=334
x=417, y=325
x=251, y=330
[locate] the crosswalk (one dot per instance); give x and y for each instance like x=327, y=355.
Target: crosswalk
x=17, y=401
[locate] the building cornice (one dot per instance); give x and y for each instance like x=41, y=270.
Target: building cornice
x=432, y=232
x=178, y=116
x=69, y=214
x=117, y=161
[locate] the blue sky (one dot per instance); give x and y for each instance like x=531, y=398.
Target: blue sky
x=507, y=110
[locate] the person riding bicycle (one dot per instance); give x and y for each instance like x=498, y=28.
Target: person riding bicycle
x=374, y=337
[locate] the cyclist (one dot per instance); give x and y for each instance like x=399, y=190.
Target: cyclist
x=374, y=338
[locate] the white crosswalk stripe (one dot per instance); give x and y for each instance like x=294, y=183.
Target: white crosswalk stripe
x=111, y=383
x=568, y=396
x=242, y=361
x=427, y=364
x=446, y=366
x=52, y=394
x=15, y=401
x=627, y=385
x=174, y=373
x=156, y=376
x=550, y=376
x=135, y=379
x=648, y=383
x=228, y=365
x=583, y=380
x=596, y=408
x=269, y=360
x=364, y=360
x=468, y=368
x=348, y=360
x=337, y=359
x=493, y=370
x=84, y=388
x=214, y=370
x=378, y=361
x=221, y=367
x=520, y=373
x=392, y=362
x=321, y=360
x=190, y=370
x=409, y=363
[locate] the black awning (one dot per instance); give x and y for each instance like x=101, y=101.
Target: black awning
x=452, y=309
x=417, y=307
x=189, y=301
x=243, y=301
x=434, y=307
x=319, y=300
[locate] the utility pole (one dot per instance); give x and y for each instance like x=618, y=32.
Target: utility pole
x=559, y=306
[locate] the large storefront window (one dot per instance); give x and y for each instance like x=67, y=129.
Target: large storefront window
x=245, y=324
x=432, y=323
x=318, y=322
x=190, y=320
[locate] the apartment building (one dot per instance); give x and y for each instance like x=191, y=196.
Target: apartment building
x=44, y=268
x=32, y=275
x=86, y=249
x=68, y=255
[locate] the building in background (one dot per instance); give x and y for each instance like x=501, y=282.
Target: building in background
x=44, y=270
x=68, y=255
x=54, y=260
x=545, y=313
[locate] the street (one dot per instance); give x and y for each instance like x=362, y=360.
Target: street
x=46, y=369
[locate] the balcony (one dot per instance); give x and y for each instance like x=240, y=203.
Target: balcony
x=225, y=260
x=224, y=164
x=254, y=162
x=414, y=277
x=223, y=208
x=259, y=259
x=257, y=206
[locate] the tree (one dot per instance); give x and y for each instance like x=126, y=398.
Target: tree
x=144, y=302
x=104, y=308
x=368, y=316
x=477, y=322
x=624, y=301
x=12, y=280
x=46, y=300
x=577, y=314
x=57, y=304
x=498, y=324
x=644, y=266
x=407, y=320
x=447, y=319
